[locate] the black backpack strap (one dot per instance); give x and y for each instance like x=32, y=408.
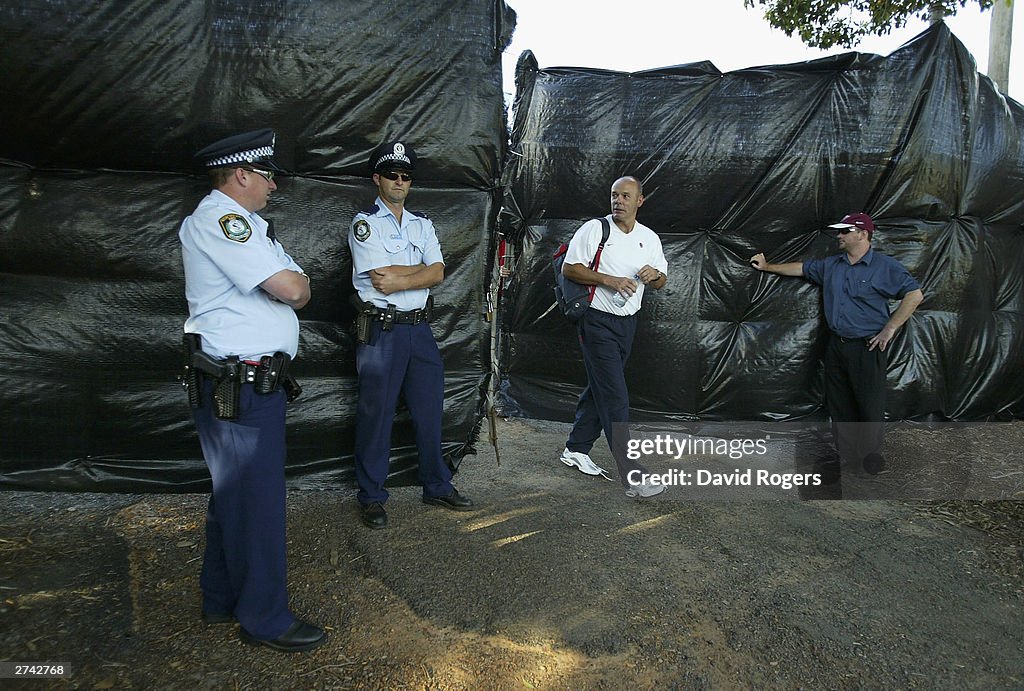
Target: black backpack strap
x=606, y=230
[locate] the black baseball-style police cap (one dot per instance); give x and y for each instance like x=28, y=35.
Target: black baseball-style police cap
x=255, y=148
x=392, y=156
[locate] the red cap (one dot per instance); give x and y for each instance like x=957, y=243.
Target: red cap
x=856, y=220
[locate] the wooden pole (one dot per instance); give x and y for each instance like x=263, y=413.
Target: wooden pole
x=1000, y=37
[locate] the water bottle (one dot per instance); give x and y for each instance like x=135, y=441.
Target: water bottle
x=620, y=300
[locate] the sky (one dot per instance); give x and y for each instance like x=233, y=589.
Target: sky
x=633, y=35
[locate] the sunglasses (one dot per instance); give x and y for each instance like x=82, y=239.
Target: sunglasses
x=844, y=231
x=394, y=175
x=268, y=174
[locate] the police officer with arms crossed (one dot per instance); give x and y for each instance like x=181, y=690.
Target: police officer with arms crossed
x=243, y=290
x=858, y=284
x=632, y=260
x=396, y=259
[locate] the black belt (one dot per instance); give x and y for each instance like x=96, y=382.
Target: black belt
x=400, y=317
x=226, y=376
x=847, y=339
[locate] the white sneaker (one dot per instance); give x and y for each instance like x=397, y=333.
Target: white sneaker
x=645, y=489
x=582, y=462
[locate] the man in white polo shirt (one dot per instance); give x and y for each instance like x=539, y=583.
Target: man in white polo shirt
x=632, y=260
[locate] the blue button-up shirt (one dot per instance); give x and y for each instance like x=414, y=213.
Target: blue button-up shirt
x=376, y=239
x=857, y=295
x=227, y=255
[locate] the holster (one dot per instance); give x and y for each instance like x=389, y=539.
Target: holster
x=191, y=379
x=365, y=314
x=428, y=309
x=273, y=374
x=226, y=390
x=224, y=373
x=292, y=390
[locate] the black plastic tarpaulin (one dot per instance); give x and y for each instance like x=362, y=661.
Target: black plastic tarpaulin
x=762, y=159
x=104, y=104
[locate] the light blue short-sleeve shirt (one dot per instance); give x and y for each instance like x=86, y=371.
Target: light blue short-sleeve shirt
x=227, y=255
x=376, y=239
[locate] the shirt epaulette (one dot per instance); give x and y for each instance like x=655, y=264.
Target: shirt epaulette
x=417, y=214
x=370, y=210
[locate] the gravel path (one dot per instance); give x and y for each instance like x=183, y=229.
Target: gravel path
x=558, y=581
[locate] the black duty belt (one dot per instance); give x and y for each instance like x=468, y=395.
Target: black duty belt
x=266, y=376
x=388, y=317
x=400, y=317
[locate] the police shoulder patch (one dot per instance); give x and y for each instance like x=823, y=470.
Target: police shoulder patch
x=361, y=230
x=235, y=227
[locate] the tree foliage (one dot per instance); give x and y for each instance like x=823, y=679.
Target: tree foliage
x=827, y=23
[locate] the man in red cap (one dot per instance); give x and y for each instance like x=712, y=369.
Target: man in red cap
x=858, y=284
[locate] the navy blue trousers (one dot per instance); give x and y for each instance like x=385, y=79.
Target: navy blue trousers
x=606, y=341
x=403, y=360
x=855, y=396
x=244, y=567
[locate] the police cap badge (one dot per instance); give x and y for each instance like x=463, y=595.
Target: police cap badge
x=392, y=156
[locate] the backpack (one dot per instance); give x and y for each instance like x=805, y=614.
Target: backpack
x=574, y=298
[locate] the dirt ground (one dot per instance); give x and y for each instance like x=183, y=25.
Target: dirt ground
x=558, y=581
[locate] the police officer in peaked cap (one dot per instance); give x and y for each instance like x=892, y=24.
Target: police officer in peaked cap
x=396, y=260
x=241, y=333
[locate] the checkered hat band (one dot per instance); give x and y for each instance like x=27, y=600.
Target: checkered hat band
x=241, y=157
x=393, y=157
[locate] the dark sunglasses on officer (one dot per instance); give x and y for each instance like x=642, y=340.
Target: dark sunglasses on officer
x=395, y=175
x=844, y=231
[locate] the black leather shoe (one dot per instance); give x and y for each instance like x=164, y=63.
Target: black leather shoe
x=211, y=618
x=454, y=501
x=299, y=638
x=374, y=516
x=828, y=469
x=874, y=463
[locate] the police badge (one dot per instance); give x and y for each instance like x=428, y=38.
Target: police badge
x=235, y=227
x=361, y=230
